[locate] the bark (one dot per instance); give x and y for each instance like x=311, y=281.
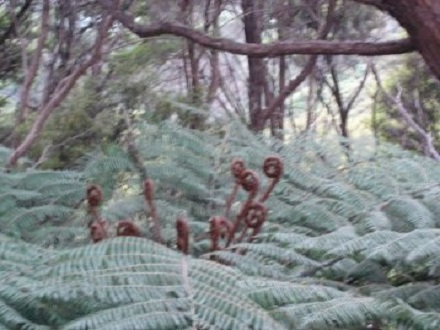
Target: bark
x=421, y=19
x=192, y=59
x=58, y=68
x=35, y=64
x=257, y=71
x=187, y=9
x=214, y=58
x=277, y=120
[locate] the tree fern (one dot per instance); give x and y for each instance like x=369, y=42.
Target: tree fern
x=341, y=245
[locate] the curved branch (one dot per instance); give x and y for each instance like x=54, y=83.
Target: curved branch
x=397, y=100
x=272, y=49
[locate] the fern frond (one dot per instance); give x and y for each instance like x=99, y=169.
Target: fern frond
x=163, y=287
x=364, y=243
x=274, y=294
x=402, y=245
x=427, y=298
x=407, y=317
x=338, y=313
x=426, y=252
x=408, y=214
x=269, y=251
x=404, y=292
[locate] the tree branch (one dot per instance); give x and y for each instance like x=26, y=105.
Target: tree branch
x=272, y=49
x=60, y=93
x=335, y=89
x=426, y=136
x=35, y=64
x=376, y=3
x=359, y=89
x=294, y=84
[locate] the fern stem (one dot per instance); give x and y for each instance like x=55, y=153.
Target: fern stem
x=149, y=199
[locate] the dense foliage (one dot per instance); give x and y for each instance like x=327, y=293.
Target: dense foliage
x=347, y=245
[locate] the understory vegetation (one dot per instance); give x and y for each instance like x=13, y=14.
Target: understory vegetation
x=347, y=243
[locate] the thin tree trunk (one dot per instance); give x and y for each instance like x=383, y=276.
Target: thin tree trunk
x=256, y=81
x=31, y=71
x=214, y=58
x=194, y=90
x=310, y=119
x=277, y=119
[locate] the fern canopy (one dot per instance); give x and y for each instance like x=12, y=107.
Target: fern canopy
x=348, y=244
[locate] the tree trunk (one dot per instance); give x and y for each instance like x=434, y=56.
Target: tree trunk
x=256, y=81
x=277, y=120
x=421, y=19
x=344, y=123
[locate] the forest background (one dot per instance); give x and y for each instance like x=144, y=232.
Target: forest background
x=68, y=83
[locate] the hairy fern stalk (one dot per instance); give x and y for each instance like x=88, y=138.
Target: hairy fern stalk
x=347, y=244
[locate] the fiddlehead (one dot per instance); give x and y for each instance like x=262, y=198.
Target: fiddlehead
x=237, y=169
x=255, y=217
x=97, y=225
x=250, y=183
x=220, y=228
x=98, y=231
x=127, y=228
x=94, y=195
x=94, y=199
x=273, y=168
